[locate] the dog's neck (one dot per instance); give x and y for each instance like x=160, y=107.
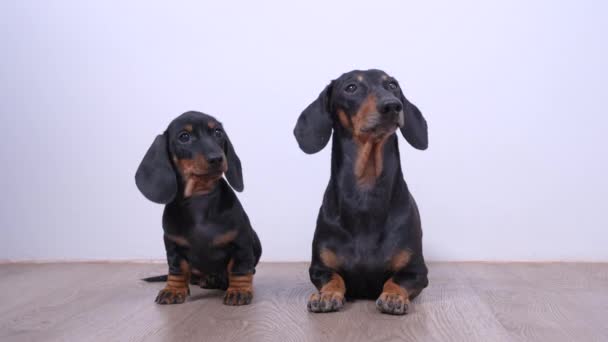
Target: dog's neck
x=366, y=168
x=196, y=186
x=369, y=162
x=192, y=186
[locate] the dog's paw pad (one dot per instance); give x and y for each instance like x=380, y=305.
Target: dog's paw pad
x=325, y=302
x=172, y=296
x=393, y=303
x=238, y=297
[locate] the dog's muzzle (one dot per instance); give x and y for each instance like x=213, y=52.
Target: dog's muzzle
x=380, y=124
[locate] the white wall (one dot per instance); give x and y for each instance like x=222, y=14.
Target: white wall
x=514, y=91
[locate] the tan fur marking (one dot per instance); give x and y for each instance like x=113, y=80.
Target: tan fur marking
x=335, y=285
x=197, y=181
x=329, y=258
x=361, y=118
x=211, y=124
x=370, y=154
x=224, y=239
x=188, y=128
x=390, y=287
x=400, y=260
x=330, y=296
x=360, y=78
x=344, y=119
x=369, y=162
x=176, y=289
x=239, y=282
x=394, y=299
x=179, y=282
x=187, y=167
x=180, y=240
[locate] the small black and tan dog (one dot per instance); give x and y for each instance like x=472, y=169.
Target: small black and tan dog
x=208, y=237
x=368, y=240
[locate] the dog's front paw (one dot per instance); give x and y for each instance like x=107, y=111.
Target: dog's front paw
x=326, y=302
x=393, y=303
x=172, y=295
x=238, y=296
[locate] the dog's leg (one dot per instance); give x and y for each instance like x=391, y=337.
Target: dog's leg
x=176, y=290
x=240, y=279
x=394, y=299
x=331, y=290
x=403, y=286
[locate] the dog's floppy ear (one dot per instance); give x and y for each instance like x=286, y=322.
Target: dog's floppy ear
x=234, y=174
x=155, y=176
x=314, y=125
x=414, y=128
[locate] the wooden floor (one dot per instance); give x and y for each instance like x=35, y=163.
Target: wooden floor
x=464, y=302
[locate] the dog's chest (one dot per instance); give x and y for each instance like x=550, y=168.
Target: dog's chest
x=203, y=239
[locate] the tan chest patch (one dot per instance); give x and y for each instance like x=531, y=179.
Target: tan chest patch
x=369, y=161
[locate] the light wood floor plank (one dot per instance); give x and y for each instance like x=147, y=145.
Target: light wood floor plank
x=545, y=302
x=465, y=302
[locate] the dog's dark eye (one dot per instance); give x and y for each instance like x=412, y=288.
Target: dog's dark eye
x=218, y=133
x=351, y=88
x=392, y=85
x=184, y=137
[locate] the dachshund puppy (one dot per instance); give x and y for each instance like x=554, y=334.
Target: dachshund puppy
x=368, y=239
x=208, y=237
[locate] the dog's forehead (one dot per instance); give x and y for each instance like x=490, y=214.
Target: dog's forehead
x=191, y=120
x=371, y=75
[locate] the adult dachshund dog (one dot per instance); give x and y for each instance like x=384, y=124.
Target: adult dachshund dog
x=208, y=237
x=368, y=239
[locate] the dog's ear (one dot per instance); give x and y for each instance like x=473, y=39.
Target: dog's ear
x=155, y=176
x=314, y=125
x=414, y=128
x=234, y=174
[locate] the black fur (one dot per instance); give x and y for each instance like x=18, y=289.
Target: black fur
x=195, y=219
x=365, y=221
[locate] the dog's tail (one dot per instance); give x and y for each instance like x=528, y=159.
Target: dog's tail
x=156, y=279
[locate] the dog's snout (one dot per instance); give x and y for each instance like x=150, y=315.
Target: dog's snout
x=391, y=106
x=215, y=160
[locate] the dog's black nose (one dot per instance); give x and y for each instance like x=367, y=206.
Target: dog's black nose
x=215, y=160
x=391, y=106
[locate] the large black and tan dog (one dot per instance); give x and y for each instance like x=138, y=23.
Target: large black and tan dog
x=208, y=237
x=368, y=240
